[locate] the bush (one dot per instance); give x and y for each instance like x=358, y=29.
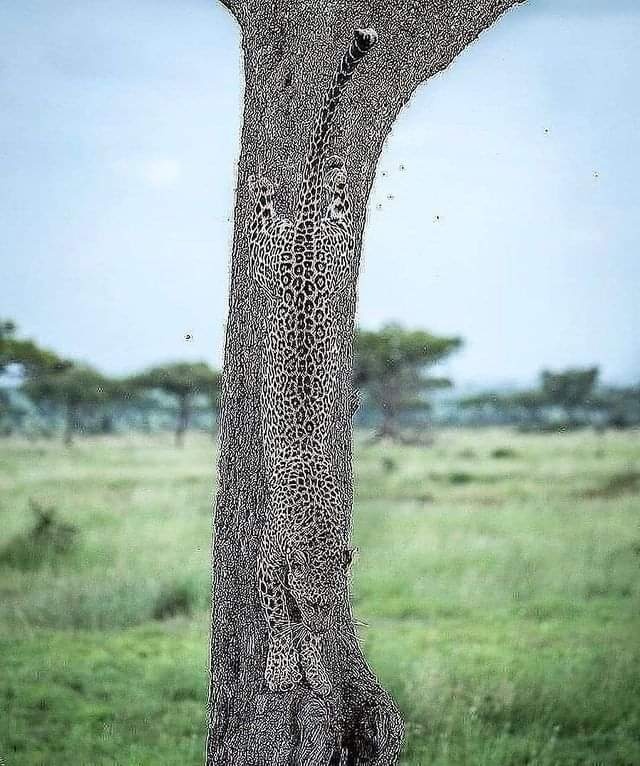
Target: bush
x=175, y=599
x=46, y=542
x=388, y=464
x=623, y=483
x=504, y=452
x=460, y=477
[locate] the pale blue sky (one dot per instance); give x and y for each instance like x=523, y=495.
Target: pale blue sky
x=118, y=142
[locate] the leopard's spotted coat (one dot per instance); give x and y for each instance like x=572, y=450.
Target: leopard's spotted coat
x=302, y=265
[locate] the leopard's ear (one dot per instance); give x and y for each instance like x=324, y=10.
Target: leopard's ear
x=348, y=554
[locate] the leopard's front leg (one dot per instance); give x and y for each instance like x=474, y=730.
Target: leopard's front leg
x=282, y=672
x=314, y=669
x=337, y=225
x=266, y=232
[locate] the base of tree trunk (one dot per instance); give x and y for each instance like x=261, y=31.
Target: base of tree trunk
x=357, y=725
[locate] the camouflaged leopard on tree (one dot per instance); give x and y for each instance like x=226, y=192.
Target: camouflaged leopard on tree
x=302, y=265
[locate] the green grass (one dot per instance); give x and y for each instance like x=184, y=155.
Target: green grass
x=499, y=574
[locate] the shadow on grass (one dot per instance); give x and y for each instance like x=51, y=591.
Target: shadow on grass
x=623, y=483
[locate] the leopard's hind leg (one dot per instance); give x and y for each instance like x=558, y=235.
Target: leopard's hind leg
x=282, y=672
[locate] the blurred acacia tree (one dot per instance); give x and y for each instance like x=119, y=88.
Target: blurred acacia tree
x=621, y=405
x=391, y=365
x=26, y=354
x=572, y=390
x=20, y=360
x=525, y=408
x=78, y=388
x=184, y=381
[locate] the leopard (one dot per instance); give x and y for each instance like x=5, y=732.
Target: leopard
x=302, y=265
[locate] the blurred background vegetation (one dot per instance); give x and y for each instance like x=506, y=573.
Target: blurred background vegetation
x=498, y=580
x=43, y=394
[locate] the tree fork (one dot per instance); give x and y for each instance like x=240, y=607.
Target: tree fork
x=290, y=52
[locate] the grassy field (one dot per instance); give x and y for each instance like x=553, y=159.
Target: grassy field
x=499, y=574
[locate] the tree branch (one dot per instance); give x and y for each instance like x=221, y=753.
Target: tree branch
x=235, y=7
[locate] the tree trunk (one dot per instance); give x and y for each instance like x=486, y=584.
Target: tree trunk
x=291, y=50
x=70, y=421
x=182, y=422
x=388, y=428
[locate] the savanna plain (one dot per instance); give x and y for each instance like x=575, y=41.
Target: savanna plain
x=498, y=574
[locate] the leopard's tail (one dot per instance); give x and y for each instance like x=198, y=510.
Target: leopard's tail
x=310, y=191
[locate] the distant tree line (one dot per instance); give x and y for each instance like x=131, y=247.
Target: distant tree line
x=400, y=396
x=45, y=393
x=564, y=399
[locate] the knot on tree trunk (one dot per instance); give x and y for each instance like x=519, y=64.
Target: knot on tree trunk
x=381, y=734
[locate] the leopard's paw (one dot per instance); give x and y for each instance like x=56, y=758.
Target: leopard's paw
x=282, y=672
x=314, y=669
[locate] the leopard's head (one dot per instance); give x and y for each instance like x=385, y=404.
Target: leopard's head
x=317, y=575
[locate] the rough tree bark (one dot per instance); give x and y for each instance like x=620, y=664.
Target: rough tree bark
x=291, y=48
